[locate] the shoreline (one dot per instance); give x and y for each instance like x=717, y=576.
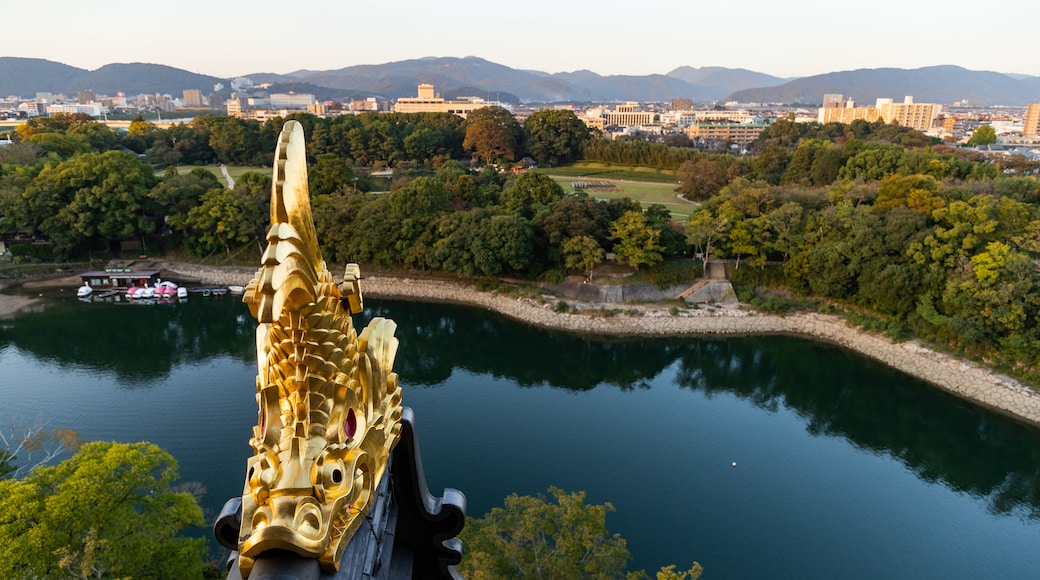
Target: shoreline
x=961, y=378
x=958, y=377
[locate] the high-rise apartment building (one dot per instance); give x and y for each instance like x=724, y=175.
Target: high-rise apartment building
x=1031, y=124
x=833, y=100
x=845, y=112
x=681, y=105
x=908, y=113
x=192, y=98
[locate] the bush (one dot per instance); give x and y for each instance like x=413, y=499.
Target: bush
x=24, y=253
x=675, y=272
x=553, y=276
x=778, y=304
x=745, y=294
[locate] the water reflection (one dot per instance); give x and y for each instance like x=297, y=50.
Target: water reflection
x=138, y=343
x=437, y=338
x=837, y=393
x=939, y=437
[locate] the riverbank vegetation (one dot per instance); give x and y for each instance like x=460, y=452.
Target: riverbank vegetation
x=914, y=236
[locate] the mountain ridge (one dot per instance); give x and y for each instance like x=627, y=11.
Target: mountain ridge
x=943, y=84
x=24, y=77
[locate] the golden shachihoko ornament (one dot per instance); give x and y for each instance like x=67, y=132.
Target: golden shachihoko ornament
x=329, y=403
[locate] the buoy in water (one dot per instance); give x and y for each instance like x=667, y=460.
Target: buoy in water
x=734, y=464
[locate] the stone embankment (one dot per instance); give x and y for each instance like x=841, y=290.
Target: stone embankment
x=959, y=377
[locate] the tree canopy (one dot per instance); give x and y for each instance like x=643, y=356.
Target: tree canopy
x=109, y=511
x=555, y=136
x=493, y=134
x=553, y=537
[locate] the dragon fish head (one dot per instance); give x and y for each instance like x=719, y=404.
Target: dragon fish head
x=329, y=405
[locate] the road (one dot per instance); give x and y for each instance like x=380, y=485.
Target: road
x=227, y=176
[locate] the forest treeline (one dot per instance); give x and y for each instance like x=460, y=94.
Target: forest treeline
x=933, y=240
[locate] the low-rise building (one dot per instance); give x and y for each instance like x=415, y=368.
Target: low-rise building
x=428, y=101
x=740, y=133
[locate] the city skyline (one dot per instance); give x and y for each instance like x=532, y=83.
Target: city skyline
x=797, y=38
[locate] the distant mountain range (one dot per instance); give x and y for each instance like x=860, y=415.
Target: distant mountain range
x=472, y=76
x=934, y=84
x=24, y=77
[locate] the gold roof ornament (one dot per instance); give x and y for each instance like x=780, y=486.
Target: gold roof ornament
x=329, y=403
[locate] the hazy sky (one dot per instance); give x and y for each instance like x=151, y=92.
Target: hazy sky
x=785, y=38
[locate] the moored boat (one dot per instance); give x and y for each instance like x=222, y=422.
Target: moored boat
x=166, y=288
x=84, y=291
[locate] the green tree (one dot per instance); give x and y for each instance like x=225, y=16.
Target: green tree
x=505, y=244
x=95, y=196
x=56, y=123
x=177, y=194
x=992, y=300
x=770, y=164
x=826, y=165
x=20, y=153
x=571, y=217
x=17, y=209
x=109, y=511
x=60, y=144
x=703, y=230
x=330, y=174
x=493, y=134
x=97, y=136
x=669, y=573
x=984, y=135
x=335, y=218
x=582, y=252
x=917, y=192
x=230, y=217
x=637, y=242
x=415, y=209
x=672, y=238
x=234, y=140
x=530, y=194
x=453, y=249
x=560, y=537
x=702, y=178
x=555, y=136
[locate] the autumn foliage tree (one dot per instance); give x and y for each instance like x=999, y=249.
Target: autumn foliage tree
x=493, y=134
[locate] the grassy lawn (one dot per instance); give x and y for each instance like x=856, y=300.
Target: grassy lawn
x=235, y=171
x=647, y=186
x=609, y=171
x=645, y=192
